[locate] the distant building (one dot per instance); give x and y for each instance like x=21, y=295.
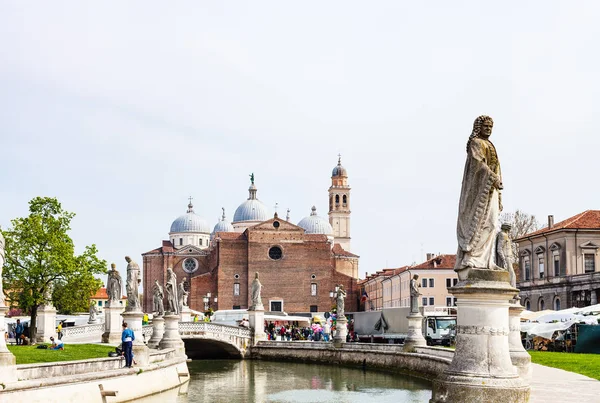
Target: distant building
x=559, y=264
x=101, y=299
x=390, y=288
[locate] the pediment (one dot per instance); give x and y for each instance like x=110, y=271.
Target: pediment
x=276, y=224
x=191, y=250
x=539, y=250
x=525, y=252
x=589, y=245
x=555, y=246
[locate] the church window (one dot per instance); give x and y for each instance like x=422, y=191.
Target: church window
x=337, y=200
x=344, y=200
x=180, y=241
x=190, y=265
x=313, y=276
x=276, y=224
x=331, y=203
x=236, y=289
x=313, y=289
x=236, y=276
x=275, y=253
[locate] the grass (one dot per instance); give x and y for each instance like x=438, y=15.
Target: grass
x=584, y=364
x=33, y=355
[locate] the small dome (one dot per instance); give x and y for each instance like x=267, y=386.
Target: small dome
x=339, y=170
x=314, y=224
x=252, y=209
x=190, y=222
x=223, y=225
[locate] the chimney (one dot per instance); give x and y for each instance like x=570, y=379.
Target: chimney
x=366, y=274
x=430, y=256
x=550, y=221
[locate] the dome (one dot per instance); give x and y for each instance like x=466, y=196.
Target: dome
x=190, y=222
x=339, y=170
x=252, y=209
x=314, y=224
x=223, y=225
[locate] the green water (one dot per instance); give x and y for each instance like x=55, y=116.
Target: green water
x=266, y=381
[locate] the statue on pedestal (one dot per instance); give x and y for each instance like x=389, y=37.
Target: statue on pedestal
x=480, y=202
x=157, y=299
x=114, y=286
x=505, y=254
x=182, y=294
x=171, y=289
x=132, y=284
x=256, y=290
x=93, y=312
x=341, y=294
x=414, y=294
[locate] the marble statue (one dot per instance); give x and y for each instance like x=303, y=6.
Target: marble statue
x=256, y=289
x=480, y=202
x=157, y=299
x=2, y=260
x=132, y=284
x=341, y=295
x=171, y=290
x=504, y=253
x=114, y=286
x=93, y=312
x=182, y=295
x=414, y=294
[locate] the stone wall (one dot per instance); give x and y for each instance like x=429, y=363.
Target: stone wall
x=382, y=356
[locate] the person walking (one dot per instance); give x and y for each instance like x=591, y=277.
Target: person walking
x=127, y=338
x=59, y=330
x=19, y=332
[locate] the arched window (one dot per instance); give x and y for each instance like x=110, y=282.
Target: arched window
x=344, y=200
x=541, y=304
x=528, y=305
x=557, y=304
x=337, y=199
x=331, y=203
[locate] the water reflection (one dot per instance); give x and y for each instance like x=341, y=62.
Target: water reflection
x=264, y=381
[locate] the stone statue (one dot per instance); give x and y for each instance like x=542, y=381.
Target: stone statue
x=414, y=294
x=114, y=286
x=252, y=178
x=341, y=294
x=93, y=312
x=504, y=253
x=132, y=284
x=183, y=295
x=2, y=260
x=256, y=289
x=157, y=299
x=171, y=289
x=480, y=202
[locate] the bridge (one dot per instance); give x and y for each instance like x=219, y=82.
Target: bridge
x=202, y=339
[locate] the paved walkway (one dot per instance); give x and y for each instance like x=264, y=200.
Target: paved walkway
x=555, y=385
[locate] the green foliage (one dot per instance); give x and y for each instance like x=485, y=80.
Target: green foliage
x=584, y=364
x=32, y=355
x=40, y=254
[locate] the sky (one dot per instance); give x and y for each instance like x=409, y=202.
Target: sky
x=122, y=110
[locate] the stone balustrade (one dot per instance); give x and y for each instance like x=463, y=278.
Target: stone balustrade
x=83, y=331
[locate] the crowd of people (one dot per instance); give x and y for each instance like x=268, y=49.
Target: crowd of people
x=314, y=332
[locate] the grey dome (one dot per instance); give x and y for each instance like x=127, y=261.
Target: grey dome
x=314, y=224
x=190, y=222
x=252, y=209
x=339, y=170
x=223, y=225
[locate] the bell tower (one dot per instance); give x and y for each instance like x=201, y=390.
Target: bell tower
x=339, y=205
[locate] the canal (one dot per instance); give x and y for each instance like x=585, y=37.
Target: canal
x=267, y=381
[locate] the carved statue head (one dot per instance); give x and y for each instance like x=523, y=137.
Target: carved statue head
x=416, y=277
x=482, y=127
x=128, y=259
x=506, y=227
x=113, y=266
x=256, y=275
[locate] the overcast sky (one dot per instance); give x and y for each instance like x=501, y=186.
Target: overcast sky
x=122, y=110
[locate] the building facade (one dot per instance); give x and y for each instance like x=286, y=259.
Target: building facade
x=559, y=264
x=298, y=265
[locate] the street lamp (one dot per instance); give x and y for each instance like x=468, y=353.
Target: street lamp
x=206, y=300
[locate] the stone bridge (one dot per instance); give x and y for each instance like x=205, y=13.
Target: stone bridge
x=202, y=339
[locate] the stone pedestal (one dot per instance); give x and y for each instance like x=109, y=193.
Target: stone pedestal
x=112, y=325
x=171, y=337
x=8, y=367
x=481, y=370
x=185, y=314
x=341, y=331
x=140, y=350
x=518, y=355
x=46, y=323
x=415, y=332
x=158, y=330
x=256, y=320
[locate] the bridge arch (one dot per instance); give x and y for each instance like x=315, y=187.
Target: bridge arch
x=208, y=348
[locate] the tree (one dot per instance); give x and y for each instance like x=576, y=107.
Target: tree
x=521, y=222
x=40, y=254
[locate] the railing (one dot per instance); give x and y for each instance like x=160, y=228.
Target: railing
x=83, y=330
x=147, y=331
x=207, y=327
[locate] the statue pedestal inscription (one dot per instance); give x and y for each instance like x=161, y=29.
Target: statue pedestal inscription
x=518, y=355
x=140, y=350
x=481, y=370
x=46, y=323
x=8, y=367
x=256, y=321
x=171, y=338
x=415, y=332
x=158, y=331
x=341, y=331
x=112, y=324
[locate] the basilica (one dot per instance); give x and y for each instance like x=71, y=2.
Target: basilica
x=298, y=264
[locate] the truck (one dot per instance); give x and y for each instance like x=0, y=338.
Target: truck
x=390, y=325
